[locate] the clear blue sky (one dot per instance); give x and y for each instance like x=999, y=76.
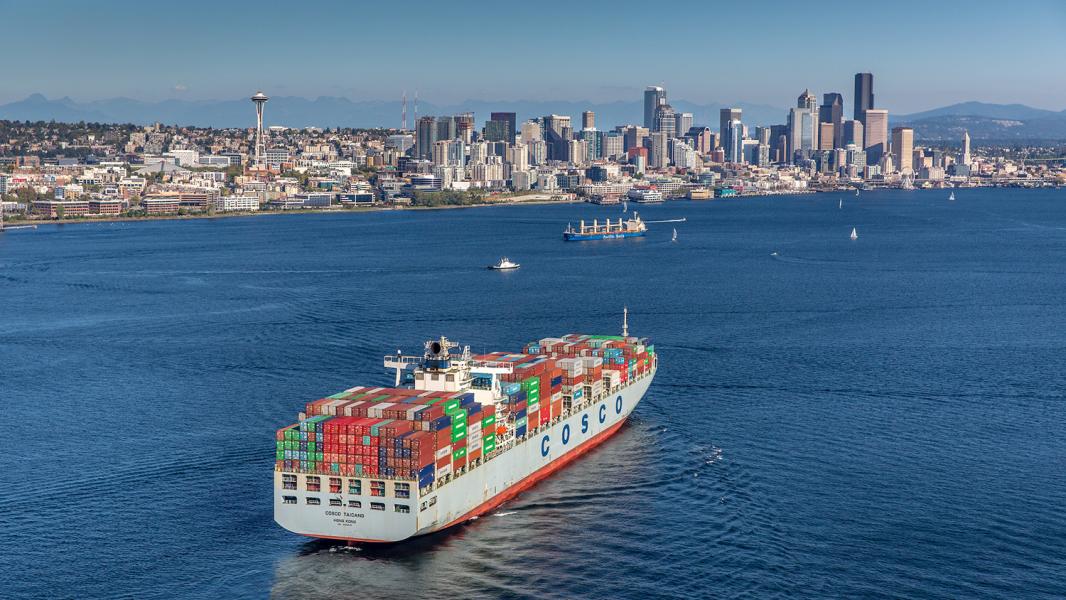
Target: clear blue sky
x=923, y=54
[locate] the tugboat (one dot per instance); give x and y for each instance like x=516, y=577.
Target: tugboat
x=505, y=264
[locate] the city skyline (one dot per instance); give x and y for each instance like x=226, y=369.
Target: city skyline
x=945, y=68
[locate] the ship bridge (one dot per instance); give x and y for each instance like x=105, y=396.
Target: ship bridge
x=441, y=369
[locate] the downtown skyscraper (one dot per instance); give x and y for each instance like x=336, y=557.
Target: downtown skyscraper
x=864, y=95
x=654, y=97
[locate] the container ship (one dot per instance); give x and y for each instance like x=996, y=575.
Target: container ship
x=381, y=465
x=634, y=227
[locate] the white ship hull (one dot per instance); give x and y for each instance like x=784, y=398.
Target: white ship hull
x=351, y=517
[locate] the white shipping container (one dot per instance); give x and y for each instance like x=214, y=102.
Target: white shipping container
x=445, y=470
x=443, y=451
x=376, y=411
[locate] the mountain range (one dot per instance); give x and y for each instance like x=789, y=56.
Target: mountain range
x=984, y=121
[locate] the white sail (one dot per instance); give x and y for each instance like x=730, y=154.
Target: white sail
x=675, y=236
x=841, y=205
x=854, y=234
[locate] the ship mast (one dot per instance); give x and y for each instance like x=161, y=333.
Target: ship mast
x=625, y=321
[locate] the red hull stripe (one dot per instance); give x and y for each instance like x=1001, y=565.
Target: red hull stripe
x=529, y=481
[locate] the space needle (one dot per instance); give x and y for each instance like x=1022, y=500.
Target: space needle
x=260, y=99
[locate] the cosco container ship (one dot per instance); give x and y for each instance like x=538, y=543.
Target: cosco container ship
x=374, y=464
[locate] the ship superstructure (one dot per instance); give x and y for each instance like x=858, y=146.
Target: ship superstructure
x=375, y=464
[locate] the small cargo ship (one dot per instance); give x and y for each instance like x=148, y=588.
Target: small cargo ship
x=380, y=464
x=634, y=227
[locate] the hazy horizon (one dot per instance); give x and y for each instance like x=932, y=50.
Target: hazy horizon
x=923, y=55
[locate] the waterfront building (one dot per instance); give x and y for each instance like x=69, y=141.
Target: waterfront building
x=903, y=149
x=864, y=95
x=875, y=127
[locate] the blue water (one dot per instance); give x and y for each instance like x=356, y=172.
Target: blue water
x=878, y=418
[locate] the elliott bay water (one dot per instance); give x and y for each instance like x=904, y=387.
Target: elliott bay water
x=877, y=418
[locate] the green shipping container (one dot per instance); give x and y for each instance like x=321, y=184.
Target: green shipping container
x=451, y=405
x=461, y=452
x=458, y=435
x=310, y=446
x=488, y=421
x=280, y=454
x=489, y=437
x=488, y=446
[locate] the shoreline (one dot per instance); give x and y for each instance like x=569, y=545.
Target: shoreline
x=267, y=213
x=374, y=209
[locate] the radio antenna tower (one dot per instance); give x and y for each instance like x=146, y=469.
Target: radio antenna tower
x=403, y=119
x=416, y=106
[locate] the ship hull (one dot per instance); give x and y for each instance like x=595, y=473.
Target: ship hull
x=579, y=237
x=466, y=497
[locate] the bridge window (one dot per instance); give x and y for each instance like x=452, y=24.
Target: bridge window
x=377, y=506
x=314, y=484
x=313, y=501
x=355, y=504
x=432, y=500
x=377, y=488
x=334, y=485
x=355, y=487
x=335, y=502
x=289, y=499
x=401, y=508
x=403, y=490
x=423, y=507
x=288, y=482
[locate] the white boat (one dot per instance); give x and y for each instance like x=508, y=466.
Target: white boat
x=841, y=205
x=854, y=234
x=625, y=206
x=674, y=239
x=505, y=264
x=952, y=195
x=856, y=191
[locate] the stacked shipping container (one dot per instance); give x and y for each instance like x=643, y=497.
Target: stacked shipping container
x=419, y=435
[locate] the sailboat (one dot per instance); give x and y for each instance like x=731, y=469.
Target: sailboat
x=674, y=239
x=854, y=234
x=856, y=191
x=625, y=206
x=841, y=205
x=952, y=195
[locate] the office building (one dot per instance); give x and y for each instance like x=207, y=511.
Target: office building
x=825, y=136
x=726, y=115
x=588, y=120
x=853, y=133
x=832, y=111
x=903, y=149
x=875, y=128
x=733, y=143
x=654, y=96
x=425, y=137
x=557, y=134
x=966, y=160
x=500, y=127
x=684, y=123
x=864, y=95
x=666, y=120
x=803, y=127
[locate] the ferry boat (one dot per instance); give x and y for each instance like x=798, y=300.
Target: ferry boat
x=381, y=465
x=634, y=227
x=645, y=195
